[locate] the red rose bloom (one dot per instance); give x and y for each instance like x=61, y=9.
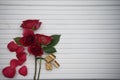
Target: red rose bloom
x=9, y=72
x=31, y=24
x=12, y=46
x=35, y=50
x=28, y=38
x=43, y=39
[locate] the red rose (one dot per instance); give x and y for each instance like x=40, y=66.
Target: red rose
x=9, y=72
x=31, y=24
x=12, y=46
x=43, y=39
x=28, y=38
x=35, y=50
x=23, y=71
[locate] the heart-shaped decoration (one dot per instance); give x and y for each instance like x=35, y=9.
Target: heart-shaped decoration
x=14, y=63
x=9, y=72
x=23, y=71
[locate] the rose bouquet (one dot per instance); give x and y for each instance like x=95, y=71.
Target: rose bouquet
x=36, y=45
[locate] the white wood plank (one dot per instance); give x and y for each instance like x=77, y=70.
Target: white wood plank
x=46, y=12
x=23, y=17
x=62, y=8
x=58, y=3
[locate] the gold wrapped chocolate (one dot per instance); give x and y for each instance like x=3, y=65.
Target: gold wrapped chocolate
x=49, y=66
x=50, y=58
x=56, y=64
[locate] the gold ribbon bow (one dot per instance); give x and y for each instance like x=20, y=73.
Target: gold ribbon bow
x=50, y=61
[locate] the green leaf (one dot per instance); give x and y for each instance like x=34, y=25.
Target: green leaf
x=49, y=49
x=55, y=40
x=17, y=40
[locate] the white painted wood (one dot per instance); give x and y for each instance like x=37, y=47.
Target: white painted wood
x=90, y=43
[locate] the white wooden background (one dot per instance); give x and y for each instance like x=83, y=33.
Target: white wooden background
x=90, y=41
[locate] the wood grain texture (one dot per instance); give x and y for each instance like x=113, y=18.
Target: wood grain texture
x=90, y=43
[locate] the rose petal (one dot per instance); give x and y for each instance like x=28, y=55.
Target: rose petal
x=43, y=39
x=12, y=46
x=14, y=63
x=20, y=49
x=37, y=25
x=23, y=71
x=9, y=72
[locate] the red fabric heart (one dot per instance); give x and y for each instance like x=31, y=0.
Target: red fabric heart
x=14, y=63
x=21, y=57
x=9, y=72
x=23, y=71
x=12, y=46
x=20, y=49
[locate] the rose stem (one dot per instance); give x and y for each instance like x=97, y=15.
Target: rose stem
x=35, y=68
x=39, y=69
